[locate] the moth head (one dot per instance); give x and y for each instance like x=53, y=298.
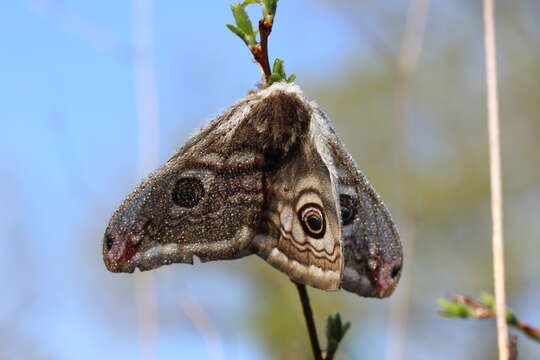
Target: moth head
x=373, y=253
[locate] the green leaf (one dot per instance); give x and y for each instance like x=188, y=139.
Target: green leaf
x=274, y=78
x=238, y=32
x=510, y=317
x=278, y=72
x=335, y=331
x=269, y=9
x=243, y=22
x=244, y=30
x=454, y=309
x=488, y=300
x=278, y=67
x=345, y=328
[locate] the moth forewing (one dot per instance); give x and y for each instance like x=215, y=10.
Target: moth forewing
x=205, y=201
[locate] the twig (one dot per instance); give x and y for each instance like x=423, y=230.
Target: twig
x=308, y=315
x=260, y=53
x=496, y=181
x=259, y=49
x=513, y=348
x=330, y=354
x=482, y=310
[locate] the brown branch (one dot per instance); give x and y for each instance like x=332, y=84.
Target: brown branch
x=308, y=315
x=513, y=348
x=330, y=354
x=481, y=311
x=260, y=52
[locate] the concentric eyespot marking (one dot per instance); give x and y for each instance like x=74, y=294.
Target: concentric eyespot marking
x=348, y=208
x=311, y=217
x=188, y=192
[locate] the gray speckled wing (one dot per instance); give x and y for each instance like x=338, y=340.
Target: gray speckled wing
x=371, y=243
x=205, y=201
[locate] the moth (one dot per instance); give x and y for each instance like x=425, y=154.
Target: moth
x=271, y=177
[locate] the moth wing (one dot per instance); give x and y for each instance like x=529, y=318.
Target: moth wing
x=371, y=243
x=205, y=201
x=300, y=231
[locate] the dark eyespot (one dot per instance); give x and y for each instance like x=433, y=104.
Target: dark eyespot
x=311, y=217
x=188, y=192
x=109, y=242
x=395, y=271
x=348, y=208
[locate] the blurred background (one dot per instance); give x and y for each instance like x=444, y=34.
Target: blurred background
x=95, y=95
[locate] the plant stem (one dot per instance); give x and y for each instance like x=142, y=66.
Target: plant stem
x=260, y=53
x=481, y=311
x=330, y=354
x=308, y=315
x=512, y=348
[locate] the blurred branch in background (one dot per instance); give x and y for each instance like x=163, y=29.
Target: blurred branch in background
x=202, y=321
x=77, y=25
x=411, y=48
x=147, y=159
x=495, y=177
x=20, y=278
x=513, y=348
x=466, y=307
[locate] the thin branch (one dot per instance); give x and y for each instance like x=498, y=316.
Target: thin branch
x=148, y=314
x=330, y=353
x=260, y=52
x=146, y=92
x=479, y=310
x=413, y=38
x=244, y=30
x=203, y=322
x=513, y=348
x=496, y=178
x=308, y=315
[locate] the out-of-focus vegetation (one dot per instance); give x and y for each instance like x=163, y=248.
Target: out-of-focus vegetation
x=254, y=310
